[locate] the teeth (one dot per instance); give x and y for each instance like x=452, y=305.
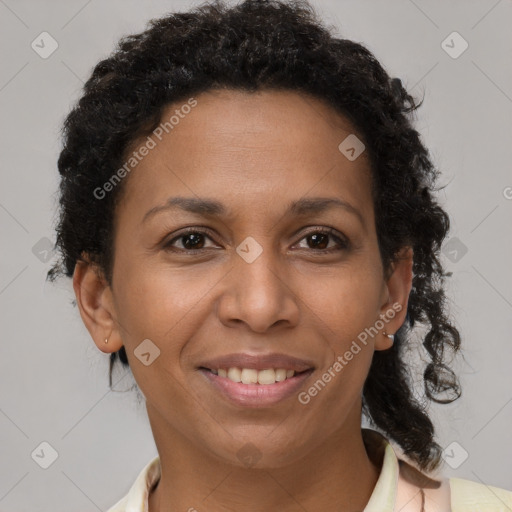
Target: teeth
x=266, y=376
x=252, y=376
x=235, y=374
x=280, y=375
x=249, y=376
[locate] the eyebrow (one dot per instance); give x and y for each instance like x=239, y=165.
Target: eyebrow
x=212, y=208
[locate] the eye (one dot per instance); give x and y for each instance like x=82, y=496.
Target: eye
x=192, y=240
x=320, y=240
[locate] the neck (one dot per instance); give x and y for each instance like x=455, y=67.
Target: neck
x=336, y=475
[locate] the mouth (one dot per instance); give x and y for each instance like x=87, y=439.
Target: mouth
x=265, y=377
x=248, y=387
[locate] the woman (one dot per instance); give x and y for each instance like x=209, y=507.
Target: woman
x=249, y=220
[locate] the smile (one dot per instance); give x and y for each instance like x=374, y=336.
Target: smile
x=252, y=376
x=249, y=387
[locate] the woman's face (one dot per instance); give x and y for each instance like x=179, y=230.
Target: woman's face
x=255, y=278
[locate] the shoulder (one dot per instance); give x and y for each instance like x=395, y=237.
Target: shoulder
x=467, y=494
x=443, y=494
x=136, y=500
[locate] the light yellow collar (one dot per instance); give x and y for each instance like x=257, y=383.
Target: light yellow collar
x=384, y=494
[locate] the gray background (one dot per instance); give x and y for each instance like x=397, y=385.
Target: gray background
x=53, y=380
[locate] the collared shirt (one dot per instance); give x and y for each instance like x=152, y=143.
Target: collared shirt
x=398, y=488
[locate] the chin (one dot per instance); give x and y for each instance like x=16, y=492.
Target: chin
x=263, y=450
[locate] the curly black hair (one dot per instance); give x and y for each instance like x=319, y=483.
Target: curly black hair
x=280, y=45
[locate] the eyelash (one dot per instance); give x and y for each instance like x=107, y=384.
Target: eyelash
x=343, y=243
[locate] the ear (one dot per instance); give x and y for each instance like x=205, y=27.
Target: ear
x=96, y=305
x=396, y=297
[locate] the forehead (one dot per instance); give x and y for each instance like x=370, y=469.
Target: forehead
x=249, y=148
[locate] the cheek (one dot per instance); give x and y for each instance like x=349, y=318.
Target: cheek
x=345, y=305
x=344, y=311
x=160, y=304
x=153, y=301
x=347, y=300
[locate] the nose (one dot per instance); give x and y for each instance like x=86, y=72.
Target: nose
x=258, y=294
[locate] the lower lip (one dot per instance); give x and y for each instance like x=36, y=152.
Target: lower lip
x=256, y=395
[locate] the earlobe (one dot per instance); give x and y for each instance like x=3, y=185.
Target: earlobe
x=94, y=300
x=398, y=287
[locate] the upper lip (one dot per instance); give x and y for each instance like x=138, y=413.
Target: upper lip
x=258, y=362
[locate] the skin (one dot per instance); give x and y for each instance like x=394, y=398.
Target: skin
x=255, y=153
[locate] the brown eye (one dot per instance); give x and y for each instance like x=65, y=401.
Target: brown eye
x=191, y=240
x=319, y=239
